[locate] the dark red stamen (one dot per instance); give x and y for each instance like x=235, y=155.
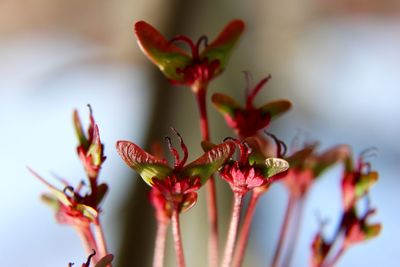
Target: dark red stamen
x=192, y=46
x=87, y=264
x=173, y=151
x=204, y=39
x=184, y=149
x=281, y=147
x=252, y=94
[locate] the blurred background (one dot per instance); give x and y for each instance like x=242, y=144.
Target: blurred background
x=337, y=61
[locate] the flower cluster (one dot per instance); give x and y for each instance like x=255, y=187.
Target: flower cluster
x=250, y=162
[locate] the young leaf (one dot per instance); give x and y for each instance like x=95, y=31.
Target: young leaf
x=274, y=166
x=221, y=48
x=164, y=54
x=209, y=162
x=225, y=104
x=146, y=165
x=276, y=108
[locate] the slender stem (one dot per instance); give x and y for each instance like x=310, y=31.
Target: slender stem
x=336, y=257
x=284, y=230
x=159, y=247
x=233, y=229
x=101, y=241
x=295, y=232
x=245, y=231
x=200, y=91
x=176, y=232
x=88, y=240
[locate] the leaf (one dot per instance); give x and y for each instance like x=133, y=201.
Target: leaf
x=79, y=130
x=225, y=104
x=330, y=157
x=298, y=159
x=275, y=108
x=372, y=230
x=105, y=261
x=146, y=165
x=221, y=48
x=209, y=162
x=365, y=183
x=87, y=211
x=164, y=54
x=274, y=166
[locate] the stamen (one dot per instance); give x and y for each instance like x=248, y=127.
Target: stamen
x=183, y=147
x=185, y=39
x=254, y=92
x=87, y=264
x=281, y=147
x=173, y=151
x=249, y=81
x=203, y=39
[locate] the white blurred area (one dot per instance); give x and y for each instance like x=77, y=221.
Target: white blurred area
x=43, y=78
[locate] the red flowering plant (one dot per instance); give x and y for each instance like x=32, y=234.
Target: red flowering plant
x=82, y=210
x=250, y=162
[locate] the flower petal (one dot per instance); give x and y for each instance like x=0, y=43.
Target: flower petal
x=164, y=54
x=220, y=49
x=146, y=165
x=209, y=162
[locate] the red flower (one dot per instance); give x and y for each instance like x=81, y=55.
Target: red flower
x=178, y=184
x=90, y=148
x=356, y=181
x=180, y=67
x=249, y=120
x=251, y=170
x=306, y=165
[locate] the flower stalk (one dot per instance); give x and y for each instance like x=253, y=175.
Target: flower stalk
x=176, y=232
x=233, y=229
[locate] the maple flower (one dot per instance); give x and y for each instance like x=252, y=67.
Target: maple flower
x=248, y=120
x=252, y=169
x=356, y=181
x=180, y=67
x=90, y=148
x=178, y=184
x=306, y=165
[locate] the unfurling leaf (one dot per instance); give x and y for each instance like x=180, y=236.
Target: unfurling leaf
x=142, y=162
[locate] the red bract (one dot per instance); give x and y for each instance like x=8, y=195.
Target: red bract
x=248, y=120
x=251, y=170
x=180, y=67
x=179, y=183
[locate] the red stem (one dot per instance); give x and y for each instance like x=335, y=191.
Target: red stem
x=336, y=257
x=295, y=232
x=159, y=247
x=101, y=241
x=200, y=90
x=88, y=240
x=284, y=230
x=233, y=229
x=245, y=231
x=176, y=232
